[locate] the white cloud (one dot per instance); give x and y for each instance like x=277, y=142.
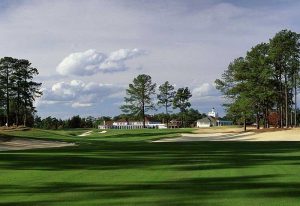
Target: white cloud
x=92, y=62
x=205, y=96
x=204, y=90
x=77, y=94
x=190, y=42
x=78, y=105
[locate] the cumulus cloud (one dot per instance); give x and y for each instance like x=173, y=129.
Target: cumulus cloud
x=78, y=94
x=91, y=62
x=205, y=97
x=204, y=90
x=206, y=94
x=78, y=105
x=190, y=41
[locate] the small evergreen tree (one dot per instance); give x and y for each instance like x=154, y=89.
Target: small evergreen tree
x=181, y=101
x=166, y=97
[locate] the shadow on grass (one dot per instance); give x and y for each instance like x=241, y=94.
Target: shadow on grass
x=144, y=134
x=160, y=193
x=175, y=156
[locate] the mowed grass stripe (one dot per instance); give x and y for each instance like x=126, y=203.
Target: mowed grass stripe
x=128, y=170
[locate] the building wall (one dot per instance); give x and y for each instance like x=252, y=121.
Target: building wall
x=133, y=125
x=203, y=124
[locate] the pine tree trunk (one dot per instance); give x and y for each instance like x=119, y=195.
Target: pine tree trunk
x=7, y=97
x=25, y=119
x=143, y=115
x=286, y=102
x=280, y=100
x=267, y=118
x=17, y=119
x=18, y=107
x=167, y=117
x=291, y=118
x=295, y=91
x=278, y=113
x=25, y=113
x=257, y=120
x=281, y=116
x=286, y=109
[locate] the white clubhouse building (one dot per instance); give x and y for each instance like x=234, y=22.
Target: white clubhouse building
x=212, y=119
x=123, y=124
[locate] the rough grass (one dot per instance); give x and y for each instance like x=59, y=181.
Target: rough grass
x=124, y=168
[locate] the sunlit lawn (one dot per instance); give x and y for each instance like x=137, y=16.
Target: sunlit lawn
x=125, y=168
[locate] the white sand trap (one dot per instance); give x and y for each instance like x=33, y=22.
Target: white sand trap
x=102, y=132
x=85, y=134
x=23, y=144
x=209, y=137
x=285, y=135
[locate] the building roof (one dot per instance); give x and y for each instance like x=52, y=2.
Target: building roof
x=108, y=123
x=121, y=120
x=207, y=120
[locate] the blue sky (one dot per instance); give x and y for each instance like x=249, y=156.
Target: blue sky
x=88, y=52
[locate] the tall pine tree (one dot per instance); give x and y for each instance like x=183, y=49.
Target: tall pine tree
x=166, y=97
x=139, y=97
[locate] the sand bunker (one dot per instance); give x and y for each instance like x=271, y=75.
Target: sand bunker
x=85, y=134
x=102, y=132
x=285, y=135
x=23, y=144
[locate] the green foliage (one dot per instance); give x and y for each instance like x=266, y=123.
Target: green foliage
x=181, y=101
x=74, y=122
x=165, y=98
x=125, y=117
x=7, y=65
x=139, y=96
x=18, y=90
x=284, y=54
x=139, y=100
x=262, y=81
x=191, y=117
x=166, y=95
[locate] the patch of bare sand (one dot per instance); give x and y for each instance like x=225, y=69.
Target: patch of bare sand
x=23, y=144
x=278, y=135
x=85, y=134
x=211, y=130
x=252, y=135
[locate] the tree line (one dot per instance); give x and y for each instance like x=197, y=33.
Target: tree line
x=73, y=122
x=141, y=95
x=263, y=85
x=18, y=91
x=141, y=98
x=191, y=117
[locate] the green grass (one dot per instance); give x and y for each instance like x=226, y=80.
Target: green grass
x=124, y=168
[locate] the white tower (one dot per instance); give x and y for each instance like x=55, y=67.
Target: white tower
x=212, y=113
